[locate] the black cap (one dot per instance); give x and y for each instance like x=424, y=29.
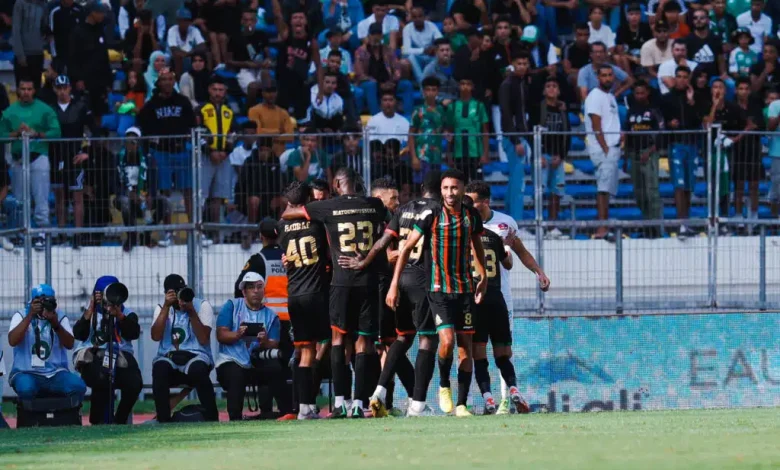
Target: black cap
x=672, y=6
x=268, y=228
x=375, y=28
x=94, y=6
x=661, y=24
x=174, y=282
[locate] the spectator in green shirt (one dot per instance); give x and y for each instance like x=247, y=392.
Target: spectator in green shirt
x=36, y=119
x=456, y=38
x=426, y=132
x=467, y=119
x=308, y=162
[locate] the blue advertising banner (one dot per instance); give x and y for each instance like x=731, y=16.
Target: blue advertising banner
x=649, y=362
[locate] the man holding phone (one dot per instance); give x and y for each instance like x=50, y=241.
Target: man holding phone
x=248, y=333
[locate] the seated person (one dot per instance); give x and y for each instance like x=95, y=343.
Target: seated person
x=418, y=38
x=343, y=86
x=244, y=360
x=93, y=330
x=326, y=112
x=309, y=162
x=183, y=39
x=40, y=339
x=182, y=325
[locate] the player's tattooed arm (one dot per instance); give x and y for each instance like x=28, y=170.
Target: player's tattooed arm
x=359, y=262
x=529, y=262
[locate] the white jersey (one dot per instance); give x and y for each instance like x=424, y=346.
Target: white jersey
x=501, y=224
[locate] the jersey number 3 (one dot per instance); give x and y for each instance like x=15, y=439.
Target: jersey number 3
x=356, y=236
x=298, y=253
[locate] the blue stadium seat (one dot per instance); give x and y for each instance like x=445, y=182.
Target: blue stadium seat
x=666, y=190
x=767, y=163
x=625, y=190
x=241, y=120
x=577, y=144
x=496, y=167
x=120, y=75
x=7, y=55
x=700, y=189
x=226, y=74
x=498, y=192
x=625, y=213
x=584, y=165
x=581, y=191
x=574, y=120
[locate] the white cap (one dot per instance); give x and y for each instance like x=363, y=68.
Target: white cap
x=133, y=130
x=250, y=277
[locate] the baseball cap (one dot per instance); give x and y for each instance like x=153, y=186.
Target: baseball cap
x=94, y=6
x=41, y=290
x=61, y=80
x=133, y=131
x=268, y=228
x=530, y=34
x=173, y=282
x=739, y=32
x=250, y=277
x=375, y=28
x=661, y=24
x=183, y=14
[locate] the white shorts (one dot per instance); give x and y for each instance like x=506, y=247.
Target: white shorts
x=246, y=77
x=606, y=169
x=774, y=177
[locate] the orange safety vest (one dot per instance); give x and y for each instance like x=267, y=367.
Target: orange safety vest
x=275, y=282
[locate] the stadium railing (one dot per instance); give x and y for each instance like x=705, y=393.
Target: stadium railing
x=638, y=272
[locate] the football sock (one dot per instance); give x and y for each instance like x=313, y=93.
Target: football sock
x=423, y=372
x=464, y=384
x=445, y=369
x=341, y=378
x=482, y=375
x=504, y=365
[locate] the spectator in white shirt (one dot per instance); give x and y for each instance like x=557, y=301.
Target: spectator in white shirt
x=183, y=39
x=326, y=113
x=599, y=32
x=759, y=24
x=666, y=71
x=602, y=124
x=124, y=20
x=418, y=37
x=390, y=25
x=387, y=124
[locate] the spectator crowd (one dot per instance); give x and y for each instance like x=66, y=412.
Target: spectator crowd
x=282, y=90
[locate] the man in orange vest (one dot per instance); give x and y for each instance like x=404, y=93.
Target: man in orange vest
x=268, y=263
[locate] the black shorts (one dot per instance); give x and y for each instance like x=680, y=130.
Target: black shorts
x=355, y=310
x=414, y=311
x=493, y=321
x=65, y=175
x=387, y=328
x=309, y=318
x=5, y=176
x=453, y=311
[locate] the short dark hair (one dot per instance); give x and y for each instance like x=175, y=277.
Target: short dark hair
x=334, y=53
x=431, y=81
x=641, y=84
x=742, y=80
x=297, y=193
x=432, y=182
x=604, y=67
x=682, y=68
x=522, y=54
x=672, y=6
x=503, y=19
x=319, y=184
x=598, y=44
x=581, y=27
x=480, y=188
x=594, y=8
x=387, y=92
x=680, y=41
x=454, y=174
x=330, y=74
x=350, y=175
x=381, y=184
x=249, y=10
x=441, y=41
x=467, y=201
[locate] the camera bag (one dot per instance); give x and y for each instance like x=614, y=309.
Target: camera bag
x=48, y=411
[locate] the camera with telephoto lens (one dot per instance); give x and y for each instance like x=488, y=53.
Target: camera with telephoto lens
x=185, y=294
x=267, y=354
x=49, y=303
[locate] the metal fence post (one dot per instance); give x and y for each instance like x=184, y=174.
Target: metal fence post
x=194, y=246
x=536, y=154
x=762, y=268
x=27, y=215
x=712, y=212
x=619, y=270
x=366, y=160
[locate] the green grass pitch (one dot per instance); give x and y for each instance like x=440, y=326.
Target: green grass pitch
x=621, y=440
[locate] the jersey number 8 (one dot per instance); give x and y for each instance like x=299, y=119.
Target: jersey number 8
x=298, y=254
x=356, y=236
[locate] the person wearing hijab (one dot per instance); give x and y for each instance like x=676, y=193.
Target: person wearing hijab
x=101, y=323
x=195, y=83
x=157, y=62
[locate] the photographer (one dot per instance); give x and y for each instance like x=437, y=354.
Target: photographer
x=94, y=329
x=182, y=325
x=41, y=340
x=248, y=333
